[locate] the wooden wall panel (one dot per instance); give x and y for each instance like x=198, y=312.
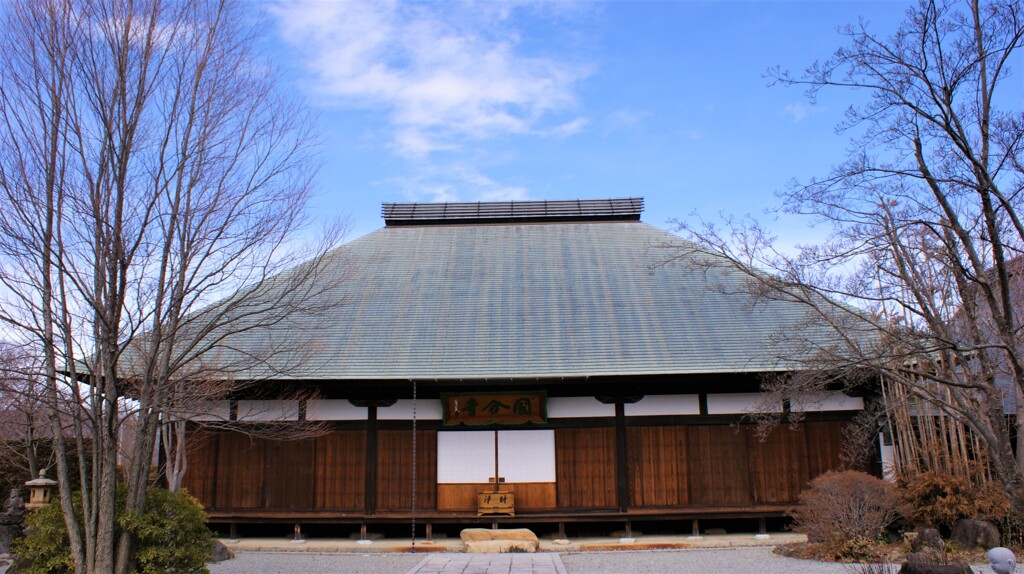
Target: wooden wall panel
x=669, y=466
x=529, y=495
x=585, y=467
x=658, y=460
x=719, y=472
x=340, y=470
x=394, y=470
x=778, y=464
x=240, y=466
x=201, y=475
x=289, y=476
x=824, y=446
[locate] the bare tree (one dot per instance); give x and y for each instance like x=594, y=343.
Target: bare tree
x=148, y=168
x=23, y=425
x=918, y=280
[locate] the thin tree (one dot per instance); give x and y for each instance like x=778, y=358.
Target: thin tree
x=919, y=280
x=148, y=168
x=23, y=427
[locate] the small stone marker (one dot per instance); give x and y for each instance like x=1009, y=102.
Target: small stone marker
x=1002, y=560
x=10, y=520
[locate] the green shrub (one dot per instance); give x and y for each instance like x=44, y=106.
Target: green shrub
x=46, y=549
x=857, y=549
x=171, y=536
x=941, y=500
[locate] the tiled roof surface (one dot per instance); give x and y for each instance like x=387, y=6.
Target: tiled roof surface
x=527, y=300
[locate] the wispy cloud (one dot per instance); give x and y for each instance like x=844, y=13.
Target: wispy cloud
x=570, y=128
x=624, y=118
x=800, y=111
x=443, y=73
x=456, y=183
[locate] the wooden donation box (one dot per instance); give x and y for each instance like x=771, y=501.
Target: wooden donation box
x=494, y=503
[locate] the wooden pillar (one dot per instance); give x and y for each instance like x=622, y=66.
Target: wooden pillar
x=496, y=480
x=370, y=486
x=430, y=532
x=621, y=460
x=696, y=527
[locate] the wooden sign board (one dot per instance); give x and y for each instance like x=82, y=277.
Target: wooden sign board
x=494, y=502
x=478, y=409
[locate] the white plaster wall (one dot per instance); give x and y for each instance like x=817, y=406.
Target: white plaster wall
x=652, y=405
x=468, y=456
x=826, y=401
x=740, y=403
x=268, y=410
x=464, y=457
x=426, y=409
x=888, y=459
x=334, y=410
x=526, y=455
x=578, y=407
x=210, y=411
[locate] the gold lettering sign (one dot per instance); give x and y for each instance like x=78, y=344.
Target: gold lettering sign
x=494, y=408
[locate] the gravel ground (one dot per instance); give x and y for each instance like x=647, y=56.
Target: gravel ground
x=309, y=563
x=697, y=561
x=739, y=560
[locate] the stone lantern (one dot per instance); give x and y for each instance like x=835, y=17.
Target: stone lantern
x=40, y=491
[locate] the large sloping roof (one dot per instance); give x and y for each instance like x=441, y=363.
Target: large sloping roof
x=525, y=299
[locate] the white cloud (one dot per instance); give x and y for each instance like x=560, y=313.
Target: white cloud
x=800, y=111
x=456, y=182
x=569, y=128
x=443, y=73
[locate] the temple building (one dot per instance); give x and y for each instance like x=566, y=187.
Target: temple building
x=561, y=363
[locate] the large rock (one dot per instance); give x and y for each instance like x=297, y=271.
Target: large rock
x=504, y=540
x=927, y=556
x=969, y=534
x=917, y=568
x=7, y=535
x=927, y=538
x=220, y=552
x=479, y=534
x=499, y=546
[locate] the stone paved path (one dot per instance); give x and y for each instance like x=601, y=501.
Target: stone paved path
x=449, y=563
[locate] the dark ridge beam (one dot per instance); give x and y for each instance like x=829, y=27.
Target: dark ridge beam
x=507, y=211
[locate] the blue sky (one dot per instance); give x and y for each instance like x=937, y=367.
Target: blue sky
x=462, y=101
